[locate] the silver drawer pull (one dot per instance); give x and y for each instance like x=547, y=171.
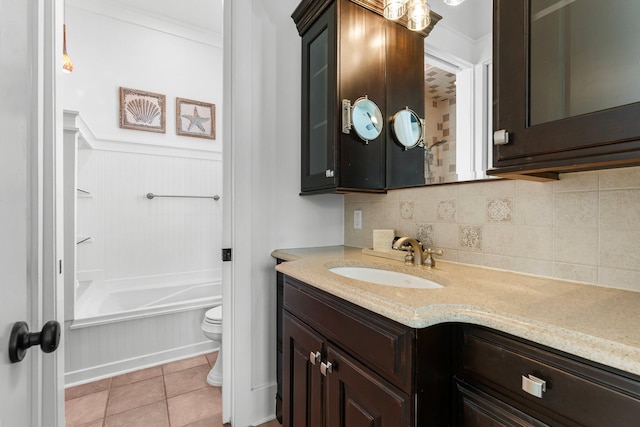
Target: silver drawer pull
x=315, y=357
x=534, y=385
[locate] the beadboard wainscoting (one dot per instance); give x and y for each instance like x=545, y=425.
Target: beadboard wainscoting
x=133, y=236
x=584, y=227
x=111, y=349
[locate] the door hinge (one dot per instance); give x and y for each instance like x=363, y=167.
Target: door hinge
x=226, y=254
x=59, y=266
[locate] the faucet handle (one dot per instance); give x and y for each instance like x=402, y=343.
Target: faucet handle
x=429, y=261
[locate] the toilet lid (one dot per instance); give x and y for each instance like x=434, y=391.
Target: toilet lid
x=214, y=314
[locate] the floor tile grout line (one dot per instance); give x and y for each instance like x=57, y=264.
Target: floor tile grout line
x=111, y=387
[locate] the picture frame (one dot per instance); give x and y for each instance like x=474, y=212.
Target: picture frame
x=195, y=118
x=142, y=110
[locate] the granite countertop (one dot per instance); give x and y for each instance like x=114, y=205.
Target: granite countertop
x=593, y=322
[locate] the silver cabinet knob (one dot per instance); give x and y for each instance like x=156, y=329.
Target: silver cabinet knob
x=326, y=368
x=534, y=385
x=500, y=137
x=315, y=357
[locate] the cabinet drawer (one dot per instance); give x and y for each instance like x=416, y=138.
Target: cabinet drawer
x=382, y=344
x=575, y=393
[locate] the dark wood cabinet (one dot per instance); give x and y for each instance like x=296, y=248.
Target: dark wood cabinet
x=356, y=396
x=565, y=87
x=378, y=372
x=493, y=371
x=366, y=365
x=350, y=51
x=478, y=409
x=303, y=385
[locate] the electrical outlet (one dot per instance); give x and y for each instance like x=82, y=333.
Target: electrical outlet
x=357, y=219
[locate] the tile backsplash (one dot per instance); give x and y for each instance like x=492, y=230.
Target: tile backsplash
x=584, y=227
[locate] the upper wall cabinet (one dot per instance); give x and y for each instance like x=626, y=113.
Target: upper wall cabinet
x=566, y=92
x=351, y=53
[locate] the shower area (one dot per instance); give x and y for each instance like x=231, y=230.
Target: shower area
x=143, y=210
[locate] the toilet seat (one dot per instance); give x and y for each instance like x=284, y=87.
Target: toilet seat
x=214, y=315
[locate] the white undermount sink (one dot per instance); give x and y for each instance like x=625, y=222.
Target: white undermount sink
x=385, y=277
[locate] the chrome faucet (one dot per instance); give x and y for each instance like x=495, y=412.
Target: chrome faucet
x=416, y=255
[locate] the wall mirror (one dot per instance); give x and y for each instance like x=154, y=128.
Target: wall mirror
x=407, y=128
x=364, y=117
x=458, y=93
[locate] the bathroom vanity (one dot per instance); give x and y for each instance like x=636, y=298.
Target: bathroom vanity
x=489, y=348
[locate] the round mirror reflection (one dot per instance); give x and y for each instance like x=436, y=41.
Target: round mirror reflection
x=366, y=119
x=407, y=128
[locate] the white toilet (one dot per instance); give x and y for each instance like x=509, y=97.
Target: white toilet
x=212, y=329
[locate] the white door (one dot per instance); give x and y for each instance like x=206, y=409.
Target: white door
x=30, y=391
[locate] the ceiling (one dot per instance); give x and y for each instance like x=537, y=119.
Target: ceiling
x=204, y=15
x=472, y=18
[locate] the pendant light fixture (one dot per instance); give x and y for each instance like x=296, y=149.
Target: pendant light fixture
x=452, y=2
x=418, y=15
x=67, y=65
x=395, y=9
x=417, y=12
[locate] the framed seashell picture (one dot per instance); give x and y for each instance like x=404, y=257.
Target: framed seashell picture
x=141, y=110
x=195, y=118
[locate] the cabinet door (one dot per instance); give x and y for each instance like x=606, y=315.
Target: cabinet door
x=405, y=88
x=319, y=104
x=302, y=381
x=356, y=397
x=565, y=79
x=362, y=73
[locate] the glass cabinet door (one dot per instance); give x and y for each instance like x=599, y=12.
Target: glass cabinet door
x=584, y=57
x=319, y=87
x=566, y=84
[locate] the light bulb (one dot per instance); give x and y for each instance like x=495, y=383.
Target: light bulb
x=67, y=65
x=418, y=15
x=452, y=2
x=395, y=9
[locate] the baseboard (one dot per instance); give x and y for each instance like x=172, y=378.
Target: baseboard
x=133, y=364
x=264, y=403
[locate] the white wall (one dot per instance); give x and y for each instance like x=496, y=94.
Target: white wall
x=131, y=235
x=114, y=48
x=265, y=74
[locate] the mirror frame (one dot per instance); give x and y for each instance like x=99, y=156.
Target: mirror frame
x=348, y=116
x=418, y=141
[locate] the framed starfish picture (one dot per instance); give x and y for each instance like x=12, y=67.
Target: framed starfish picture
x=195, y=118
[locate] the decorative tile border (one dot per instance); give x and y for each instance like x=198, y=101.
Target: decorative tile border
x=470, y=237
x=500, y=210
x=447, y=210
x=425, y=235
x=406, y=209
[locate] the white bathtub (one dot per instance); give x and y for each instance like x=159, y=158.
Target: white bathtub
x=100, y=302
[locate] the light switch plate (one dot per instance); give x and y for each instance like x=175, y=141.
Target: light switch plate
x=357, y=219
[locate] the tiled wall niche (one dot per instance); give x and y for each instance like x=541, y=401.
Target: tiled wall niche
x=584, y=227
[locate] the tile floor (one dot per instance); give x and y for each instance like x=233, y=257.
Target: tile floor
x=172, y=395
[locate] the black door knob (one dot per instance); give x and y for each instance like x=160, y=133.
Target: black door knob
x=21, y=339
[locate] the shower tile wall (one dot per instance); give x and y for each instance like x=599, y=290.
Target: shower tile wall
x=440, y=121
x=584, y=227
